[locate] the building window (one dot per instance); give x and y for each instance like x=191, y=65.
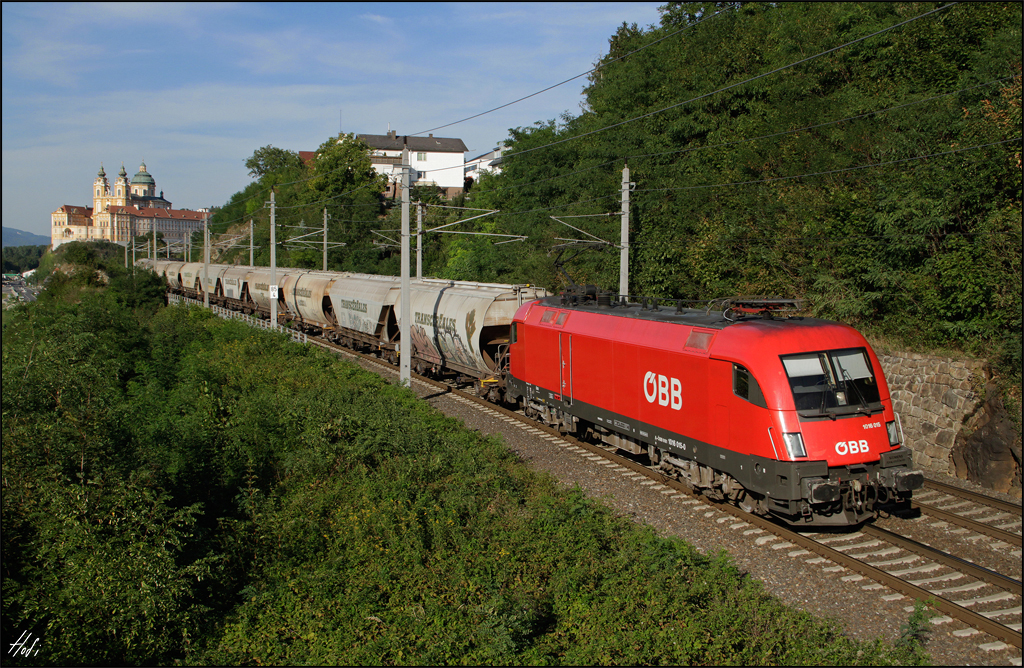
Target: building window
x=422, y=157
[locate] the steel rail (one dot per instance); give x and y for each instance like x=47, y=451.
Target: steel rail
x=1014, y=539
x=946, y=559
x=984, y=500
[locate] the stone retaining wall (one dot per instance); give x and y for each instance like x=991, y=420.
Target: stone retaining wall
x=933, y=396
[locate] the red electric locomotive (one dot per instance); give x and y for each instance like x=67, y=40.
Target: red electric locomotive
x=784, y=416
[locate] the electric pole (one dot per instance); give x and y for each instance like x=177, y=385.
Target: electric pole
x=206, y=262
x=405, y=352
x=624, y=253
x=273, y=264
x=419, y=240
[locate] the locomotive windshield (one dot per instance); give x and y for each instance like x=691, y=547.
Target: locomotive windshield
x=832, y=382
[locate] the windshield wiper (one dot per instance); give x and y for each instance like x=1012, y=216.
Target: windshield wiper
x=863, y=401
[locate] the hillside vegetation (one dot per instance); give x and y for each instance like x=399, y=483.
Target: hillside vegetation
x=881, y=181
x=863, y=156
x=180, y=488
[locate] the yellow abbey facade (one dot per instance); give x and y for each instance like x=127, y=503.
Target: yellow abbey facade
x=122, y=211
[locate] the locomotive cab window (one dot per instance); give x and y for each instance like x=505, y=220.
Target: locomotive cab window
x=512, y=334
x=745, y=386
x=833, y=382
x=548, y=316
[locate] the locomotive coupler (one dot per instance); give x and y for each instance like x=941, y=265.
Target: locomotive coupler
x=821, y=491
x=908, y=481
x=901, y=480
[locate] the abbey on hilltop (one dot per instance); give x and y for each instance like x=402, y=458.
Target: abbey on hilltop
x=123, y=211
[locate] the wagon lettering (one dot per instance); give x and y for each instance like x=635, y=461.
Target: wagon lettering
x=353, y=305
x=438, y=322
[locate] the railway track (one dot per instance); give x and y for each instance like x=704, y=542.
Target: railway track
x=982, y=599
x=992, y=517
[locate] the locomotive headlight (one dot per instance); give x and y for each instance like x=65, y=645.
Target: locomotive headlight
x=894, y=434
x=795, y=445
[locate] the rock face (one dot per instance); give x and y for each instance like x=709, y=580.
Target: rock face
x=988, y=448
x=949, y=424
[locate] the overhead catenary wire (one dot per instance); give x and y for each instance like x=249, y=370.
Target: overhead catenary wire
x=590, y=71
x=743, y=183
x=629, y=157
x=689, y=149
x=731, y=86
x=762, y=181
x=831, y=171
x=646, y=115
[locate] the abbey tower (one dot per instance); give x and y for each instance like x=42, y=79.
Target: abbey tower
x=123, y=211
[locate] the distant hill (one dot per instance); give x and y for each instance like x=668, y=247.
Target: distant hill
x=13, y=237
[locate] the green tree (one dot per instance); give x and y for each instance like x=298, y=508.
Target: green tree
x=269, y=159
x=764, y=169
x=19, y=259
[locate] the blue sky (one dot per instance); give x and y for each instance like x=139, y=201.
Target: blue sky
x=194, y=89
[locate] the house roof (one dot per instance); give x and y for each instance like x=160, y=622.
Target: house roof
x=395, y=142
x=71, y=208
x=146, y=212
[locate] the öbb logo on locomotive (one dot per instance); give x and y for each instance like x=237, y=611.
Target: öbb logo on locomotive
x=664, y=389
x=770, y=401
x=851, y=447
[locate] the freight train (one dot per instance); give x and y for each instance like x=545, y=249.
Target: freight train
x=785, y=416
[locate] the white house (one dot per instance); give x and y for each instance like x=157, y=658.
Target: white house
x=488, y=162
x=438, y=161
